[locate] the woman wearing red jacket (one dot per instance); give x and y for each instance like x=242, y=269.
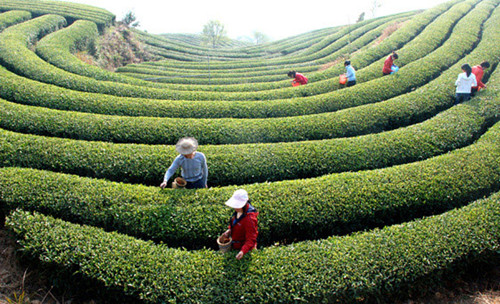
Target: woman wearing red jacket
x=389, y=61
x=298, y=78
x=243, y=223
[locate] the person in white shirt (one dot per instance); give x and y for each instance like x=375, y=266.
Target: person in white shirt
x=464, y=83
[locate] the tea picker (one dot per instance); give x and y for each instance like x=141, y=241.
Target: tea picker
x=242, y=231
x=298, y=78
x=194, y=169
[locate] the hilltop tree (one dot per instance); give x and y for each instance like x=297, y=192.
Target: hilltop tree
x=361, y=17
x=214, y=33
x=129, y=19
x=260, y=37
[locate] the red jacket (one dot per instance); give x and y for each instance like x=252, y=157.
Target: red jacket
x=387, y=65
x=244, y=230
x=300, y=78
x=478, y=72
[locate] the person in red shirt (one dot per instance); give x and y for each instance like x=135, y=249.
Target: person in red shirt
x=388, y=63
x=478, y=71
x=243, y=223
x=298, y=78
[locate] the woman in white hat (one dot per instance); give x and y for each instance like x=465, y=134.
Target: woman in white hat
x=243, y=223
x=193, y=164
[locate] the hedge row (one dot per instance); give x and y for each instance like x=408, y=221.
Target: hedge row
x=56, y=49
x=69, y=10
x=325, y=48
x=370, y=267
x=395, y=41
x=369, y=61
x=259, y=62
x=235, y=164
x=38, y=69
x=289, y=210
x=274, y=79
x=13, y=17
x=390, y=114
x=257, y=108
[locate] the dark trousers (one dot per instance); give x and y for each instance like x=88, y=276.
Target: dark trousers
x=350, y=83
x=195, y=185
x=473, y=92
x=461, y=97
x=385, y=74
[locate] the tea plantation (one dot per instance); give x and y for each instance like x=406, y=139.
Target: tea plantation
x=365, y=194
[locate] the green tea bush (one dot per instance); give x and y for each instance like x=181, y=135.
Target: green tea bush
x=40, y=70
x=69, y=10
x=13, y=17
x=373, y=266
x=400, y=111
x=289, y=210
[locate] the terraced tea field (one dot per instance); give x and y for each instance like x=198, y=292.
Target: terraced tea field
x=364, y=194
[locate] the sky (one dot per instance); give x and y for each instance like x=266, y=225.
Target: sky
x=277, y=19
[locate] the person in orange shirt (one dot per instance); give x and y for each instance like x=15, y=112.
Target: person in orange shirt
x=478, y=71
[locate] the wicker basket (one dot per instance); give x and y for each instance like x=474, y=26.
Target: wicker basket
x=179, y=183
x=224, y=243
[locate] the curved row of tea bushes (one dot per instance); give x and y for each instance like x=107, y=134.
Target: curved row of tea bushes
x=316, y=51
x=373, y=266
x=13, y=17
x=389, y=114
x=70, y=10
x=237, y=164
x=274, y=79
x=395, y=41
x=56, y=49
x=195, y=53
x=289, y=210
x=329, y=45
x=369, y=65
x=38, y=69
x=397, y=112
x=354, y=96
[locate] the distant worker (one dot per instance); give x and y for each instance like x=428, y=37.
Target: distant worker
x=389, y=61
x=464, y=83
x=350, y=74
x=243, y=223
x=193, y=164
x=299, y=79
x=478, y=71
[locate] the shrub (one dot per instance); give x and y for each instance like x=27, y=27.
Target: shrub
x=366, y=267
x=13, y=17
x=289, y=210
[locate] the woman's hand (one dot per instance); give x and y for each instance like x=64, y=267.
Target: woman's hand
x=227, y=234
x=239, y=256
x=163, y=185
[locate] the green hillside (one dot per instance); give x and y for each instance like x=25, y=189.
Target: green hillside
x=365, y=194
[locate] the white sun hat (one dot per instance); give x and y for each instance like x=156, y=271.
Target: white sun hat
x=238, y=200
x=186, y=145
